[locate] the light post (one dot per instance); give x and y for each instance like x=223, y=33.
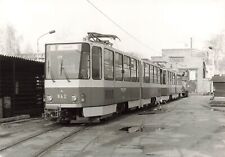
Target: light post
x=50, y=32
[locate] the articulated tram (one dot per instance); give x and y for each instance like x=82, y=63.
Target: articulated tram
x=91, y=79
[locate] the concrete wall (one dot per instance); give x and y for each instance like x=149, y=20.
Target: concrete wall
x=207, y=86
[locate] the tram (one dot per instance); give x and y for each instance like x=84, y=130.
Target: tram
x=91, y=79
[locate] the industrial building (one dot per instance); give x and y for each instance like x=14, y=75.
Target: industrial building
x=192, y=62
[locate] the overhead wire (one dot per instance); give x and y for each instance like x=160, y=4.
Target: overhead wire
x=120, y=27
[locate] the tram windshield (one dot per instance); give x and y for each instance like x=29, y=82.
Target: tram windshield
x=67, y=61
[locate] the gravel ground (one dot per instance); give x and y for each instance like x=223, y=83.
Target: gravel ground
x=183, y=128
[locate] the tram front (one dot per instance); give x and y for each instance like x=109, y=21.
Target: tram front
x=66, y=75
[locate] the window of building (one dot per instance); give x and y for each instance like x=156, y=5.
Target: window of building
x=96, y=63
x=126, y=66
x=176, y=59
x=118, y=67
x=108, y=64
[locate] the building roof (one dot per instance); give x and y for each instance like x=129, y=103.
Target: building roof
x=8, y=57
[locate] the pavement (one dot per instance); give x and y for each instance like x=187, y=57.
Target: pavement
x=184, y=128
x=188, y=127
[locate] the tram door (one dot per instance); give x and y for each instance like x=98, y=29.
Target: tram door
x=120, y=90
x=97, y=90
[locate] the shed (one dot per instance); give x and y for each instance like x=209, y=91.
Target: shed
x=219, y=85
x=21, y=86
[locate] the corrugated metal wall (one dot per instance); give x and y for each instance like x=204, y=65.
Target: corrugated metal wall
x=21, y=86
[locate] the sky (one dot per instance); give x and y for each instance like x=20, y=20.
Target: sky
x=150, y=25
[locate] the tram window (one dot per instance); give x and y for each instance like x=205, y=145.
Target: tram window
x=146, y=73
x=126, y=66
x=138, y=67
x=84, y=65
x=155, y=74
x=179, y=80
x=151, y=74
x=174, y=80
x=169, y=79
x=108, y=64
x=96, y=63
x=159, y=76
x=133, y=70
x=164, y=77
x=118, y=67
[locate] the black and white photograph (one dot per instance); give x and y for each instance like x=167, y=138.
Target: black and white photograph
x=112, y=78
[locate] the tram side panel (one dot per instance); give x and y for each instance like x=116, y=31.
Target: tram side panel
x=150, y=86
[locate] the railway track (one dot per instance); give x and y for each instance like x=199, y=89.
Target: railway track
x=43, y=140
x=27, y=138
x=44, y=151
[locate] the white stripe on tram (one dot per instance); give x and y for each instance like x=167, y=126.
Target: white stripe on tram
x=88, y=83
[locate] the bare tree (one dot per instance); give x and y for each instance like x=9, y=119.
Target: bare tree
x=12, y=41
x=217, y=46
x=2, y=42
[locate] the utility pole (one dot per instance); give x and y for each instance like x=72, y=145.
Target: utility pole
x=50, y=32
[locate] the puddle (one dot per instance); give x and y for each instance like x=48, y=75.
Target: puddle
x=125, y=128
x=131, y=129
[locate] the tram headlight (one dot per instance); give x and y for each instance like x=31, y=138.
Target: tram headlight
x=49, y=98
x=74, y=98
x=82, y=97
